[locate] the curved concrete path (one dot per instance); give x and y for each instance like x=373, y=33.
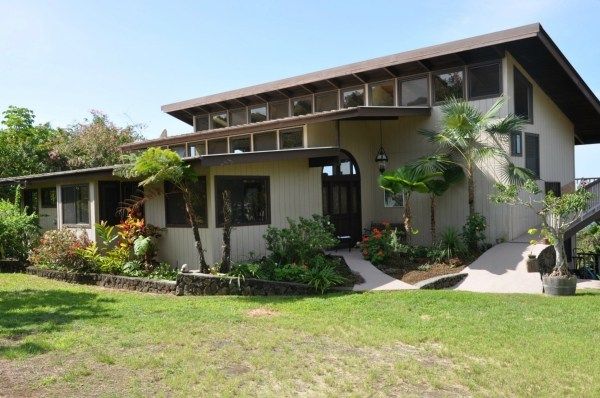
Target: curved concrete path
x=374, y=279
x=503, y=269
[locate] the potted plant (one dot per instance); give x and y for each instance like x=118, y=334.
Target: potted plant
x=532, y=261
x=556, y=215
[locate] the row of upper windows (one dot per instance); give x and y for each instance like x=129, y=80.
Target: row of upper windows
x=482, y=81
x=289, y=138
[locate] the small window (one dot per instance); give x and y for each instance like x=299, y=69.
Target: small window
x=75, y=204
x=179, y=149
x=532, y=153
x=258, y=114
x=265, y=141
x=219, y=120
x=279, y=109
x=31, y=200
x=197, y=149
x=414, y=92
x=554, y=187
x=382, y=94
x=250, y=199
x=217, y=146
x=201, y=123
x=302, y=106
x=48, y=197
x=393, y=200
x=239, y=144
x=115, y=196
x=175, y=212
x=237, y=117
x=447, y=85
x=484, y=81
x=523, y=96
x=326, y=101
x=516, y=144
x=353, y=97
x=292, y=138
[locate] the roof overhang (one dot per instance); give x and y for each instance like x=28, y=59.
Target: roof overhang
x=24, y=180
x=357, y=113
x=530, y=45
x=265, y=156
x=204, y=161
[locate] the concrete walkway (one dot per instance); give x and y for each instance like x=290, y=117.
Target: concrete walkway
x=374, y=279
x=503, y=269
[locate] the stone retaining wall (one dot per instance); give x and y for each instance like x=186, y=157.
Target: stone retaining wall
x=111, y=281
x=11, y=266
x=195, y=284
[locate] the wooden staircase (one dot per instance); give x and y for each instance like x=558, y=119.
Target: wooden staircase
x=593, y=213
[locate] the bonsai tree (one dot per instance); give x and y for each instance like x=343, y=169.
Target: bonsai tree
x=155, y=166
x=406, y=180
x=468, y=136
x=556, y=214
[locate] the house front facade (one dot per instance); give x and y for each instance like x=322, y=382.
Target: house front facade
x=308, y=145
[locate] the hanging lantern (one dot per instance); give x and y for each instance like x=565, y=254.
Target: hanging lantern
x=381, y=158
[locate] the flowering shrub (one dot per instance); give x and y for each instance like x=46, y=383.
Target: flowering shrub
x=61, y=250
x=379, y=244
x=134, y=229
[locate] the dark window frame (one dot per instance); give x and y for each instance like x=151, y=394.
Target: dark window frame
x=405, y=79
x=433, y=74
x=392, y=83
x=518, y=75
x=34, y=193
x=204, y=223
x=48, y=204
x=469, y=80
x=538, y=165
x=352, y=88
x=126, y=190
x=335, y=93
x=77, y=223
x=513, y=150
x=218, y=181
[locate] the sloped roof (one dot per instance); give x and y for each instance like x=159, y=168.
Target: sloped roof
x=529, y=44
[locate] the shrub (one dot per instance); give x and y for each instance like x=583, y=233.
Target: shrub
x=322, y=275
x=301, y=241
x=18, y=230
x=289, y=273
x=473, y=232
x=451, y=244
x=379, y=244
x=62, y=250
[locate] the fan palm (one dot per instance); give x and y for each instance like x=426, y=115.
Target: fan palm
x=468, y=136
x=449, y=174
x=406, y=180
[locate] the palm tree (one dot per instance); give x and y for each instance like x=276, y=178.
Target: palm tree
x=155, y=166
x=406, y=180
x=450, y=174
x=468, y=136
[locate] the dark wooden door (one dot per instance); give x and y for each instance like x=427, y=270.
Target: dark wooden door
x=341, y=202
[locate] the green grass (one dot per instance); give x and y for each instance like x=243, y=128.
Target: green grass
x=60, y=339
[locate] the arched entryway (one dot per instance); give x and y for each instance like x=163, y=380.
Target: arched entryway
x=341, y=195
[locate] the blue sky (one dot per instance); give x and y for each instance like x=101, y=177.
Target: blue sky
x=127, y=58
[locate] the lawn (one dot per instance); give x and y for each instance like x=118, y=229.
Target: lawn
x=60, y=339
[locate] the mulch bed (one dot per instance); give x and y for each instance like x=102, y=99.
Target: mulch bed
x=419, y=270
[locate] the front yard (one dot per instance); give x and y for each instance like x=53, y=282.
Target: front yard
x=60, y=339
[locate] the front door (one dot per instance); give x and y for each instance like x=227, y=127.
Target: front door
x=341, y=197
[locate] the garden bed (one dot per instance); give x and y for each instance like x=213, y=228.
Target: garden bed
x=413, y=276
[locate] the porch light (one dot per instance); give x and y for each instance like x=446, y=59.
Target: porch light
x=381, y=158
